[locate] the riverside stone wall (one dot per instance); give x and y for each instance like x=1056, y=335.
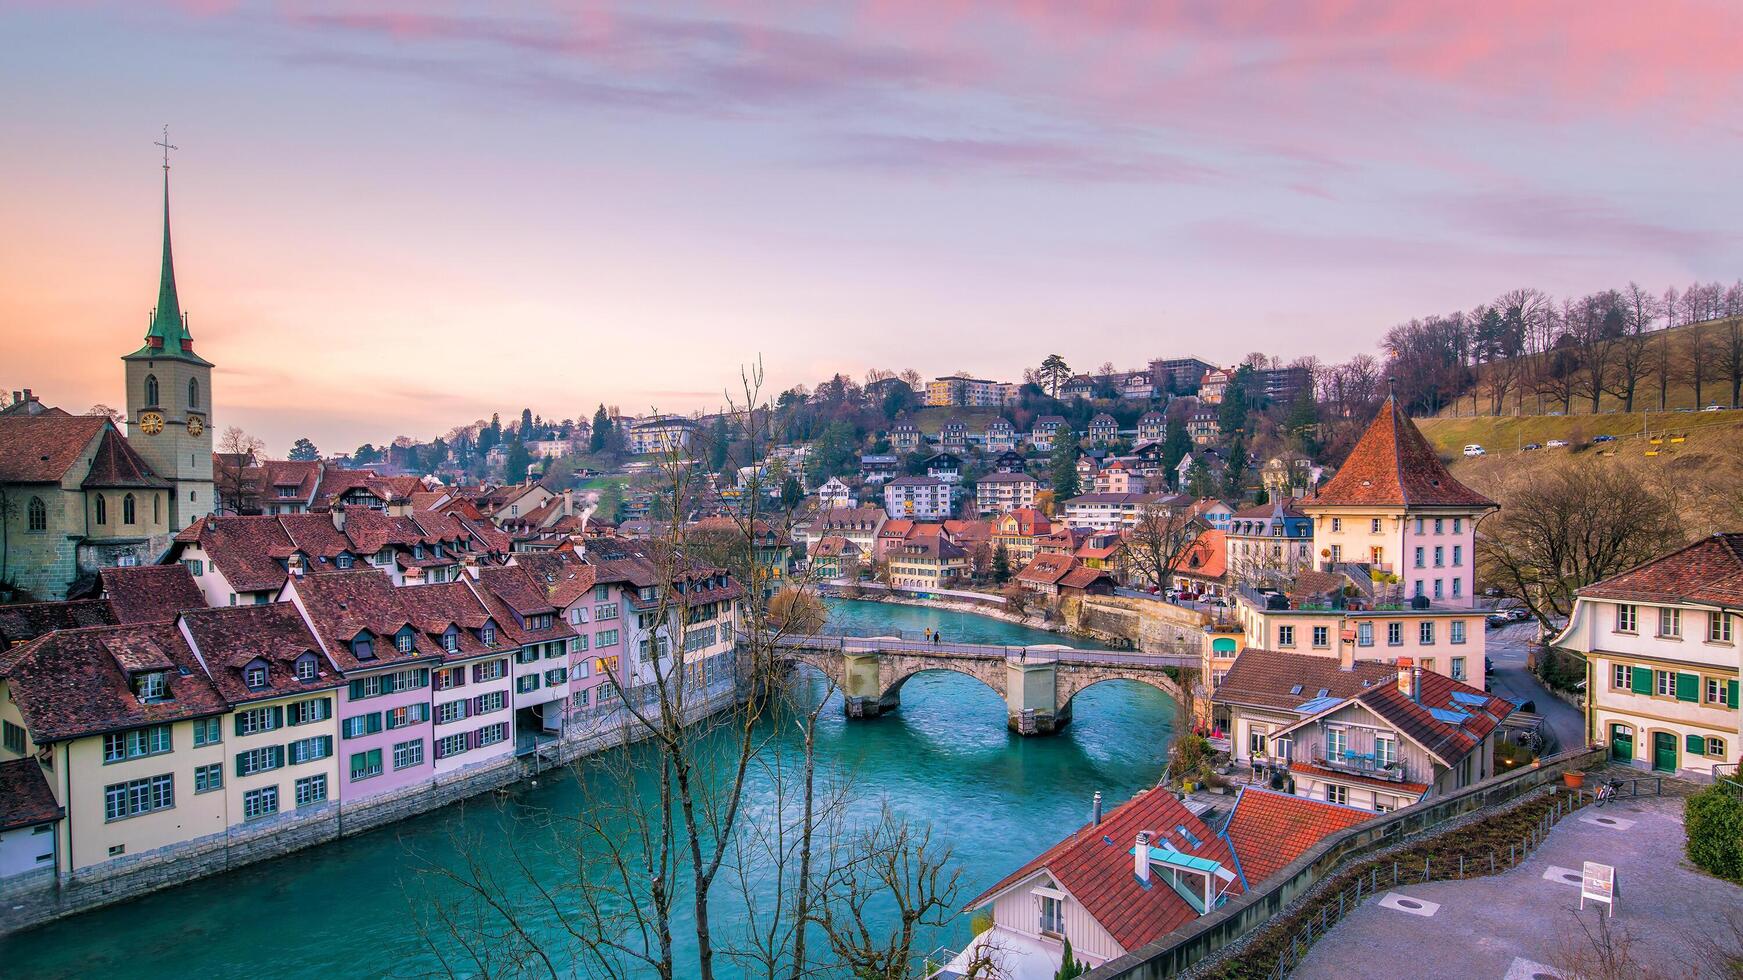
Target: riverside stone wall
x=37, y=898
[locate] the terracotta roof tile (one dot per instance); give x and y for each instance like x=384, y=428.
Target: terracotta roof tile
x=1094, y=865
x=117, y=464
x=26, y=621
x=230, y=638
x=25, y=799
x=150, y=593
x=1206, y=557
x=73, y=683
x=1285, y=681
x=42, y=448
x=1269, y=830
x=1394, y=466
x=566, y=577
x=1707, y=571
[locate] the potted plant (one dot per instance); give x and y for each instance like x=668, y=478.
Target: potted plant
x=1573, y=778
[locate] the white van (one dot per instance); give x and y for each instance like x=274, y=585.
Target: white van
x=1474, y=450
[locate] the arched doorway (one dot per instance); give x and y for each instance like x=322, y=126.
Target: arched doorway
x=1664, y=751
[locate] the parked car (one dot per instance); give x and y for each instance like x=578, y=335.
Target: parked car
x=1556, y=443
x=1498, y=620
x=1475, y=450
x=1712, y=408
x=1531, y=447
x=1519, y=614
x=1215, y=602
x=1603, y=438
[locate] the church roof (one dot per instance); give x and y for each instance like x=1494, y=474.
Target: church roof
x=1394, y=466
x=42, y=448
x=118, y=464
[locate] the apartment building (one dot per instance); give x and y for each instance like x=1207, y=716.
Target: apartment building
x=1000, y=493
x=925, y=498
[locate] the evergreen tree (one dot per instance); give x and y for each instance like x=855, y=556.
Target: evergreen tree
x=1063, y=465
x=526, y=424
x=718, y=441
x=1175, y=445
x=1070, y=967
x=601, y=428
x=1001, y=564
x=1235, y=475
x=304, y=451
x=491, y=435
x=365, y=455
x=791, y=493
x=519, y=460
x=1232, y=413
x=1198, y=480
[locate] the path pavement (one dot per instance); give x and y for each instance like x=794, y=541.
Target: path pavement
x=1523, y=924
x=1508, y=647
x=1033, y=654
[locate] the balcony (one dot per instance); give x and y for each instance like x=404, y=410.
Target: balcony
x=1359, y=764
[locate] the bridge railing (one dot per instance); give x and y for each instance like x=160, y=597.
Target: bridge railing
x=908, y=642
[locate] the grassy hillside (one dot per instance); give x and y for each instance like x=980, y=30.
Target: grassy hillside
x=930, y=420
x=1502, y=436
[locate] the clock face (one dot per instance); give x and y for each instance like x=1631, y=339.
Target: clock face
x=151, y=423
x=196, y=425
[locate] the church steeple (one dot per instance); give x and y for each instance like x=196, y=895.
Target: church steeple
x=168, y=335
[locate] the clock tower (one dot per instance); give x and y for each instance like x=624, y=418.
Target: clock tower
x=169, y=396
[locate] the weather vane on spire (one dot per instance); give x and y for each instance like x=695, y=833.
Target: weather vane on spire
x=167, y=146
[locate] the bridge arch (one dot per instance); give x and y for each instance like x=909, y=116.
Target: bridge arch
x=1075, y=680
x=894, y=677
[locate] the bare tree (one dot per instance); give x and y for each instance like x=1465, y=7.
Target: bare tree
x=1570, y=526
x=1633, y=346
x=1158, y=542
x=892, y=863
x=237, y=454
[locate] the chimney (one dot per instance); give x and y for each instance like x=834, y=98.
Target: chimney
x=338, y=516
x=296, y=565
x=1095, y=809
x=1346, y=653
x=1141, y=857
x=1405, y=666
x=1416, y=684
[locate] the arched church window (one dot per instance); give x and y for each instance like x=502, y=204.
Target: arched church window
x=157, y=508
x=102, y=510
x=127, y=509
x=38, y=515
x=151, y=389
x=193, y=392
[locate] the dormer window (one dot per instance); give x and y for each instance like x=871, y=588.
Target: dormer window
x=402, y=641
x=451, y=639
x=343, y=561
x=255, y=675
x=306, y=667
x=363, y=647
x=488, y=634
x=417, y=551
x=151, y=686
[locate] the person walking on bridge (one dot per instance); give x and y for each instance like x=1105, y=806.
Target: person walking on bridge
x=937, y=636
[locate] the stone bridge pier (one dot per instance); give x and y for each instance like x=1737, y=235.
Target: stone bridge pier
x=1037, y=691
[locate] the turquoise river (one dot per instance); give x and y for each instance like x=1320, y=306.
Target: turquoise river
x=349, y=908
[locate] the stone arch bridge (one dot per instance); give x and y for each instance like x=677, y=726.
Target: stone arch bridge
x=1036, y=683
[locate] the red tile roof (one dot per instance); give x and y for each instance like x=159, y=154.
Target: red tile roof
x=1707, y=571
x=73, y=683
x=246, y=549
x=1448, y=742
x=25, y=621
x=42, y=448
x=150, y=593
x=1269, y=678
x=1207, y=556
x=116, y=464
x=1269, y=830
x=567, y=579
x=1047, y=569
x=230, y=638
x=343, y=604
x=25, y=799
x=1394, y=466
x=1094, y=865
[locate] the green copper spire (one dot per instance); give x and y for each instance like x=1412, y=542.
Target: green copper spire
x=168, y=335
x=166, y=322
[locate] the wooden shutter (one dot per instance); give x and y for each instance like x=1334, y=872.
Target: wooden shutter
x=1642, y=679
x=1695, y=744
x=278, y=716
x=1731, y=693
x=1688, y=687
x=239, y=722
x=278, y=756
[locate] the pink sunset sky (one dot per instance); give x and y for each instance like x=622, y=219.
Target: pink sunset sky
x=394, y=218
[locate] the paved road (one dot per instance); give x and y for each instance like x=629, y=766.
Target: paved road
x=1522, y=924
x=1508, y=647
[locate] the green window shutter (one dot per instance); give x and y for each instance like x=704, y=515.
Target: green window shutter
x=1694, y=745
x=356, y=690
x=239, y=763
x=278, y=716
x=1642, y=677
x=1731, y=694
x=326, y=746
x=387, y=684
x=1688, y=687
x=278, y=756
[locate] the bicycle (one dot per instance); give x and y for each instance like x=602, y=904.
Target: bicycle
x=1607, y=792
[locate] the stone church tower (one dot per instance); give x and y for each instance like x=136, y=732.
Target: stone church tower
x=169, y=399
